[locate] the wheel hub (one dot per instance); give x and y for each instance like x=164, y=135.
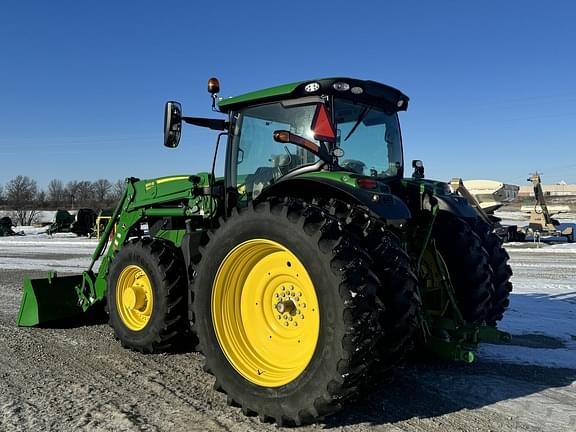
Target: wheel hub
x=134, y=299
x=289, y=304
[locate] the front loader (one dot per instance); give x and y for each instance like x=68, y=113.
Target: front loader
x=308, y=270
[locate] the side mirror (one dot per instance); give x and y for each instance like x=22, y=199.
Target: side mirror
x=418, y=169
x=172, y=124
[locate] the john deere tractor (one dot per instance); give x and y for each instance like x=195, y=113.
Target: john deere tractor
x=307, y=271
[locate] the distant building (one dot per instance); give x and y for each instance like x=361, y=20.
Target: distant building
x=556, y=190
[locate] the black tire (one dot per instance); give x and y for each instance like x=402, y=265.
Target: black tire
x=168, y=324
x=501, y=273
x=468, y=265
x=349, y=321
x=399, y=302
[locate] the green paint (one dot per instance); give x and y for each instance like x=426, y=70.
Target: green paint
x=259, y=95
x=49, y=299
x=338, y=176
x=493, y=335
x=450, y=350
x=345, y=177
x=173, y=236
x=423, y=185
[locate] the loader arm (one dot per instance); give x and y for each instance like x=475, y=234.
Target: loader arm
x=57, y=298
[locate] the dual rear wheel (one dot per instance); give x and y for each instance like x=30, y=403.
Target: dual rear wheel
x=288, y=312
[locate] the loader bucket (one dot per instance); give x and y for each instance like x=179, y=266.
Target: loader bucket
x=50, y=299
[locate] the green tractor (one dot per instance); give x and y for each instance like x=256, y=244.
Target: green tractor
x=309, y=270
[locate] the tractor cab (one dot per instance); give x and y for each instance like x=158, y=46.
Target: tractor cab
x=283, y=139
x=328, y=125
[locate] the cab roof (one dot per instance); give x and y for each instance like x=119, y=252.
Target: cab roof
x=370, y=92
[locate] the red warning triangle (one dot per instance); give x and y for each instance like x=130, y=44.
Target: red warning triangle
x=322, y=126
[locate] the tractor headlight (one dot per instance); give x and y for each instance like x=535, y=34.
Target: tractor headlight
x=312, y=87
x=341, y=86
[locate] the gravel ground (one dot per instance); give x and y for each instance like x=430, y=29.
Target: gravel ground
x=70, y=379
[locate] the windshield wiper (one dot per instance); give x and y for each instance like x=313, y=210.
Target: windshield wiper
x=358, y=121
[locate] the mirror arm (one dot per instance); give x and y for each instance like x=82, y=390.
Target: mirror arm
x=214, y=124
x=283, y=136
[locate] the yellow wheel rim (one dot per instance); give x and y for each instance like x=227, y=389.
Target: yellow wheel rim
x=265, y=312
x=134, y=299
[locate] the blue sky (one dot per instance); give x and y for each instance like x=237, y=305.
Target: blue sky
x=82, y=84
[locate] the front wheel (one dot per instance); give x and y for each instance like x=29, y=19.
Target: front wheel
x=284, y=309
x=146, y=296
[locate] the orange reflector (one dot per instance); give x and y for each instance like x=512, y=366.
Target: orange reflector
x=282, y=136
x=213, y=85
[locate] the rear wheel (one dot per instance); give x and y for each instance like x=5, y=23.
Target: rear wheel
x=146, y=297
x=501, y=273
x=468, y=266
x=284, y=309
x=398, y=299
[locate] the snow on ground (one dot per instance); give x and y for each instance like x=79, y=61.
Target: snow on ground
x=542, y=308
x=62, y=252
x=542, y=313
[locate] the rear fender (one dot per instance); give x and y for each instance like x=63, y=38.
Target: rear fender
x=382, y=205
x=422, y=194
x=456, y=205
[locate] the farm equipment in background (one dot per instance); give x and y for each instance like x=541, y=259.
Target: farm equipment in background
x=102, y=220
x=490, y=195
x=487, y=196
x=541, y=222
x=6, y=228
x=82, y=224
x=308, y=270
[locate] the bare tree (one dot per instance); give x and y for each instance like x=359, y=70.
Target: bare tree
x=21, y=193
x=40, y=199
x=56, y=192
x=1, y=193
x=72, y=192
x=118, y=190
x=85, y=192
x=101, y=189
